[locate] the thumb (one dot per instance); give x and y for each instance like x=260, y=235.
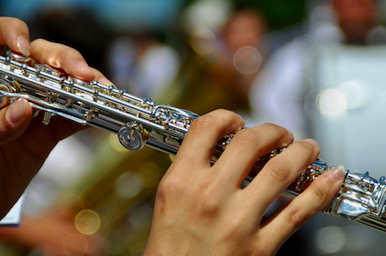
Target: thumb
x=14, y=120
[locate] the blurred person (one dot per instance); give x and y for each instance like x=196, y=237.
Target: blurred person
x=278, y=94
x=359, y=21
x=220, y=65
x=205, y=220
x=242, y=35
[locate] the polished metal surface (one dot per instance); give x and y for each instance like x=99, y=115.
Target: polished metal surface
x=138, y=122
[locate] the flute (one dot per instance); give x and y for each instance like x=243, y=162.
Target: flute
x=139, y=122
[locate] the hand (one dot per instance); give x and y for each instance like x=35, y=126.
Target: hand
x=26, y=143
x=201, y=210
x=53, y=234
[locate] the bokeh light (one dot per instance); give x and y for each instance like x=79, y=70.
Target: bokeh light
x=126, y=186
x=247, y=60
x=331, y=239
x=115, y=144
x=203, y=41
x=332, y=102
x=87, y=222
x=356, y=93
x=148, y=175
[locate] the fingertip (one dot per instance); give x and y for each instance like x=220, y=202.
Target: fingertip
x=105, y=81
x=14, y=33
x=290, y=134
x=313, y=142
x=240, y=123
x=84, y=71
x=16, y=111
x=337, y=173
x=23, y=45
x=14, y=119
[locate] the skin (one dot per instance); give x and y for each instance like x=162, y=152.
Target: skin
x=53, y=234
x=25, y=142
x=201, y=210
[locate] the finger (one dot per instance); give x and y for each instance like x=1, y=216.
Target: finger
x=279, y=172
x=14, y=120
x=41, y=139
x=300, y=210
x=61, y=128
x=62, y=57
x=100, y=77
x=15, y=34
x=249, y=144
x=204, y=133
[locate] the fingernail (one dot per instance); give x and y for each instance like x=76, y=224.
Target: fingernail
x=23, y=45
x=15, y=111
x=337, y=173
x=312, y=142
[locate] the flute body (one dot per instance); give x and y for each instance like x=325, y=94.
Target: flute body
x=139, y=122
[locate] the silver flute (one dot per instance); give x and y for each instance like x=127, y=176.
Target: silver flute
x=138, y=122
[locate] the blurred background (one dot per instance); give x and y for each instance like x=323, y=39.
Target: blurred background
x=313, y=66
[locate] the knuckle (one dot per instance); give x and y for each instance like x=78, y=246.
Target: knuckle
x=296, y=217
x=278, y=170
x=215, y=120
x=208, y=205
x=170, y=184
x=14, y=21
x=208, y=198
x=276, y=129
x=38, y=41
x=305, y=148
x=318, y=192
x=204, y=122
x=271, y=126
x=236, y=226
x=247, y=138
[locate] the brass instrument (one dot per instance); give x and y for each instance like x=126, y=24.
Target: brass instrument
x=138, y=122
